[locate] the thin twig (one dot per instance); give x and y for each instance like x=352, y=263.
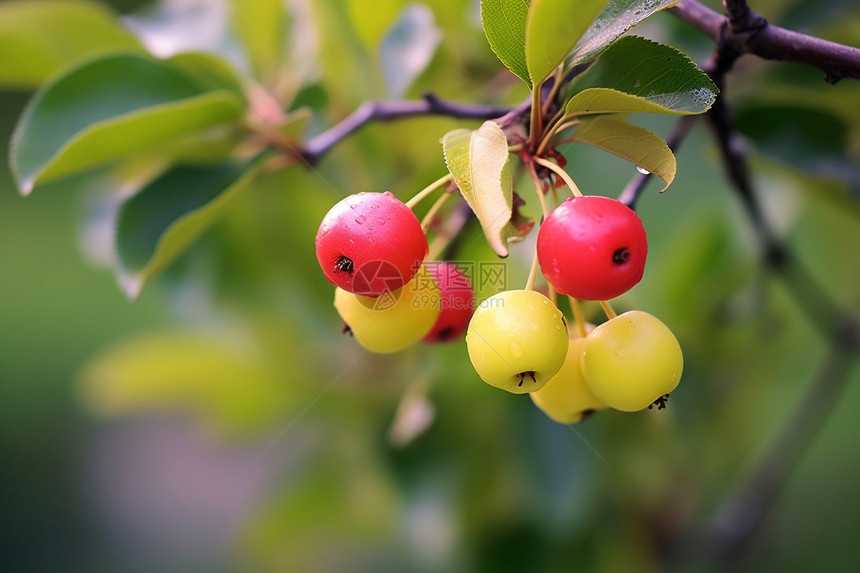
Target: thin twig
x=387, y=110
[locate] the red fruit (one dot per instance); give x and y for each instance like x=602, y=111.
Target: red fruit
x=370, y=243
x=592, y=247
x=458, y=302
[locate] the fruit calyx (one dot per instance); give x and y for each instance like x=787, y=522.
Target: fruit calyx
x=522, y=377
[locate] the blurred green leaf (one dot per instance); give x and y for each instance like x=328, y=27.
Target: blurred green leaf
x=294, y=125
x=371, y=21
x=505, y=28
x=110, y=108
x=553, y=29
x=209, y=70
x=408, y=48
x=218, y=376
x=616, y=18
x=638, y=75
x=814, y=140
x=40, y=37
x=478, y=160
x=262, y=27
x=163, y=219
x=630, y=142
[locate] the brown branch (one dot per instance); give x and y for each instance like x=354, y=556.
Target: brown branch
x=747, y=32
x=390, y=110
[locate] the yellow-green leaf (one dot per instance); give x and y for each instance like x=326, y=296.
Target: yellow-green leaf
x=218, y=376
x=38, y=38
x=261, y=27
x=478, y=160
x=633, y=143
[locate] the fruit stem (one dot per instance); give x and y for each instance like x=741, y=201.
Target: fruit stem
x=553, y=295
x=554, y=196
x=428, y=190
x=561, y=173
x=428, y=218
x=610, y=314
x=536, y=180
x=530, y=284
x=577, y=315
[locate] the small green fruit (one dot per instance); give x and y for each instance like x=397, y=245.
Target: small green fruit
x=566, y=397
x=517, y=340
x=395, y=320
x=632, y=360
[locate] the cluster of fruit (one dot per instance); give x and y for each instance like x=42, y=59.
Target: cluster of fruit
x=589, y=248
x=373, y=248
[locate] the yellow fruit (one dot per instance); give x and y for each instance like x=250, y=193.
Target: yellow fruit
x=396, y=319
x=517, y=340
x=565, y=397
x=632, y=360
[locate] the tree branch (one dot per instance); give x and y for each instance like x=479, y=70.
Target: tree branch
x=746, y=32
x=389, y=110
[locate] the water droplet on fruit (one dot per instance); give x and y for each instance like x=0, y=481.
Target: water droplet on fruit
x=360, y=219
x=380, y=220
x=516, y=350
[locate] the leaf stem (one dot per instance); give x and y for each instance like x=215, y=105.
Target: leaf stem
x=421, y=195
x=561, y=173
x=560, y=125
x=578, y=317
x=536, y=121
x=553, y=91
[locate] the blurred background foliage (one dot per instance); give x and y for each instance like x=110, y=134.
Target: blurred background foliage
x=221, y=422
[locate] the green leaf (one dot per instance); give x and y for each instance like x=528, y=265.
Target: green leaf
x=505, y=28
x=261, y=27
x=630, y=142
x=371, y=21
x=165, y=217
x=814, y=140
x=294, y=125
x=38, y=38
x=553, y=29
x=638, y=75
x=478, y=160
x=209, y=70
x=110, y=108
x=614, y=20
